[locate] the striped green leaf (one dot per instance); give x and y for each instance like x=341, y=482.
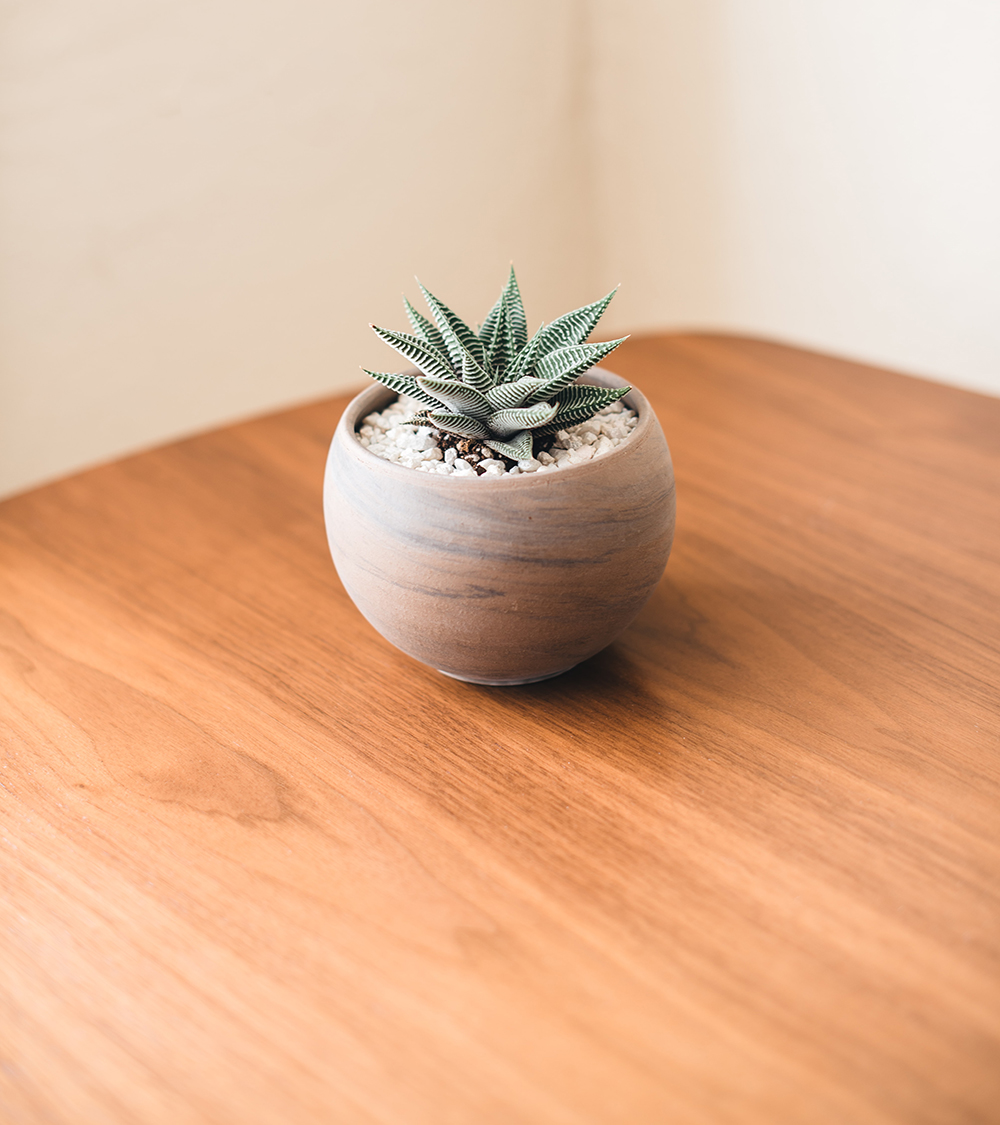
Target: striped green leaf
x=423, y=327
x=517, y=447
x=525, y=358
x=560, y=368
x=460, y=424
x=457, y=334
x=474, y=374
x=573, y=327
x=499, y=348
x=495, y=344
x=457, y=397
x=421, y=354
x=516, y=320
x=489, y=325
x=580, y=402
x=510, y=299
x=506, y=395
x=506, y=422
x=585, y=394
x=496, y=385
x=403, y=385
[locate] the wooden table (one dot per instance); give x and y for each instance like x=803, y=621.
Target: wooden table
x=743, y=866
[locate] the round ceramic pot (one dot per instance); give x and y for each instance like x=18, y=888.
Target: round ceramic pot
x=501, y=581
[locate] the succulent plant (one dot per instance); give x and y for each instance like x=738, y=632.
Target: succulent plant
x=496, y=385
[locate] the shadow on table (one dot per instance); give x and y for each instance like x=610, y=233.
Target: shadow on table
x=676, y=631
x=698, y=656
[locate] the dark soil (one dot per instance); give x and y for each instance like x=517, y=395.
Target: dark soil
x=471, y=449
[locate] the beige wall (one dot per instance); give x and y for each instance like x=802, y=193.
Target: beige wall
x=203, y=204
x=822, y=171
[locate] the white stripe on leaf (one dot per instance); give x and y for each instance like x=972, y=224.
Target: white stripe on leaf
x=421, y=354
x=517, y=447
x=574, y=410
x=457, y=397
x=515, y=314
x=402, y=385
x=423, y=327
x=561, y=367
x=524, y=360
x=457, y=334
x=474, y=374
x=460, y=424
x=507, y=395
x=507, y=422
x=574, y=327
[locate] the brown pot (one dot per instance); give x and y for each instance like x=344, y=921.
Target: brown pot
x=501, y=581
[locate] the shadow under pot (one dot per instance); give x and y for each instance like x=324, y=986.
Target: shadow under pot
x=501, y=581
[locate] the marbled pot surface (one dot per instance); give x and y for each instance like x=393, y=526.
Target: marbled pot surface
x=501, y=581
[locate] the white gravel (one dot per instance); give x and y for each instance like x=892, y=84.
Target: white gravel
x=416, y=447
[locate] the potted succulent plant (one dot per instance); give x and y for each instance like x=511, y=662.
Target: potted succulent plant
x=544, y=514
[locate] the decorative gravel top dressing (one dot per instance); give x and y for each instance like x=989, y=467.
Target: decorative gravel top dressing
x=391, y=436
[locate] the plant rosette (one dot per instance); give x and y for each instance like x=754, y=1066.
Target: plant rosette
x=501, y=580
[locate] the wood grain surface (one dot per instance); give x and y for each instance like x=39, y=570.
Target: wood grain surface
x=260, y=867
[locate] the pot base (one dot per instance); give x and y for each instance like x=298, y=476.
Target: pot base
x=506, y=683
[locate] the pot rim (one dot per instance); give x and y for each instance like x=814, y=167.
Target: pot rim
x=367, y=401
